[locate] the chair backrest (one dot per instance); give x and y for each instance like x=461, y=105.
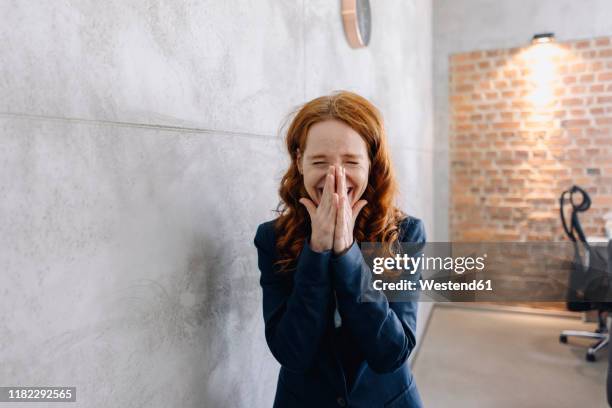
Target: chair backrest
x=574, y=229
x=588, y=280
x=610, y=257
x=608, y=304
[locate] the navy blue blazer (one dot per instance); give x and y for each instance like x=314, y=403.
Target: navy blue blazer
x=362, y=363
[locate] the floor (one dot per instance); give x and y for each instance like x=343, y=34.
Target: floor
x=497, y=358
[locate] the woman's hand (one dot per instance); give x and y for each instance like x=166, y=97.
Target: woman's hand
x=346, y=215
x=323, y=217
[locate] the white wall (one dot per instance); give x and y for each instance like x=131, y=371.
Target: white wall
x=467, y=25
x=138, y=154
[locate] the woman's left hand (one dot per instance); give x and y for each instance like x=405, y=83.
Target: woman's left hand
x=345, y=214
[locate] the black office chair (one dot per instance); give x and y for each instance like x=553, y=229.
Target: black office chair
x=589, y=279
x=609, y=379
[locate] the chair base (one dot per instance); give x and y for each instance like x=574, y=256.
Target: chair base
x=601, y=335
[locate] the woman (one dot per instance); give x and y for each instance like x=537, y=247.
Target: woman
x=339, y=191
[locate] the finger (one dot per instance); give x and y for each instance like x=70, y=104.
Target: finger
x=328, y=191
x=340, y=221
x=348, y=221
x=348, y=225
x=342, y=182
x=331, y=214
x=357, y=208
x=310, y=207
x=331, y=217
x=334, y=209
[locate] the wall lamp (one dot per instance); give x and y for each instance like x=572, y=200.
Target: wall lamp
x=543, y=38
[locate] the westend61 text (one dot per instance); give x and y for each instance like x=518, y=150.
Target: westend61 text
x=430, y=284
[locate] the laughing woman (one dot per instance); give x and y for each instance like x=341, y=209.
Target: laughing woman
x=339, y=191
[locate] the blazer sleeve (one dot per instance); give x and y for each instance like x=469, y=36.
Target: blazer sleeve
x=295, y=315
x=385, y=330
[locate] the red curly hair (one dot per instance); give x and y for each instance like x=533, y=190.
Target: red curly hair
x=379, y=220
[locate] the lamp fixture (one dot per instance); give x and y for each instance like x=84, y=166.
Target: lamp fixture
x=543, y=38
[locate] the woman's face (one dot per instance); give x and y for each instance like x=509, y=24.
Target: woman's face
x=333, y=142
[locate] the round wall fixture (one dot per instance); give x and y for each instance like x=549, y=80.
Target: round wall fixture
x=357, y=22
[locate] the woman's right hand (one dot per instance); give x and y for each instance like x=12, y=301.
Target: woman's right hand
x=323, y=217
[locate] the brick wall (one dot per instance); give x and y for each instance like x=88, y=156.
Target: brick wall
x=527, y=123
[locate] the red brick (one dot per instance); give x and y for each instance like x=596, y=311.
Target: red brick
x=587, y=78
x=559, y=114
x=501, y=84
x=539, y=154
x=603, y=121
x=588, y=54
x=572, y=102
x=606, y=76
x=521, y=104
x=582, y=44
x=507, y=125
x=457, y=58
x=459, y=79
x=569, y=79
x=592, y=152
x=464, y=128
x=511, y=73
x=521, y=154
x=464, y=88
x=464, y=68
x=575, y=123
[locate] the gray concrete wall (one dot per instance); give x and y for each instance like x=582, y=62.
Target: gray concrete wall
x=467, y=25
x=139, y=151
